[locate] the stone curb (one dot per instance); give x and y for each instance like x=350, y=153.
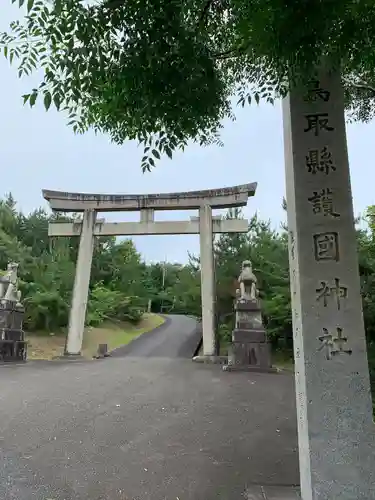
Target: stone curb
x=260, y=492
x=212, y=360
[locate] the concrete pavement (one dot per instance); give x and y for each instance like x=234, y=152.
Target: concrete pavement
x=145, y=428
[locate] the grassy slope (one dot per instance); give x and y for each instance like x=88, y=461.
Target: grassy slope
x=44, y=346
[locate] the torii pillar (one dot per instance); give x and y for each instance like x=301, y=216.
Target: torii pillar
x=207, y=281
x=78, y=308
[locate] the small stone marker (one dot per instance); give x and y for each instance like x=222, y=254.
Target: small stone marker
x=334, y=410
x=102, y=351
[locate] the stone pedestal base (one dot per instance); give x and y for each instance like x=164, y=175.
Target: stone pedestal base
x=13, y=346
x=249, y=368
x=250, y=351
x=69, y=357
x=213, y=360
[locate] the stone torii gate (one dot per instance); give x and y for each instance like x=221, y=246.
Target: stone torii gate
x=204, y=225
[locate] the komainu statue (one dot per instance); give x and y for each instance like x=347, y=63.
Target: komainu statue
x=13, y=346
x=247, y=281
x=9, y=284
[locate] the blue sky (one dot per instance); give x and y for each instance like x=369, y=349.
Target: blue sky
x=38, y=150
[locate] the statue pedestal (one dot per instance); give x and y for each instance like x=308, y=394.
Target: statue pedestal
x=250, y=350
x=13, y=346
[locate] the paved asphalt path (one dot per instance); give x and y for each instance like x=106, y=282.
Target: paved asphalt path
x=142, y=426
x=178, y=337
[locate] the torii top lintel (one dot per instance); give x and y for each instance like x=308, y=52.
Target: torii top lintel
x=235, y=196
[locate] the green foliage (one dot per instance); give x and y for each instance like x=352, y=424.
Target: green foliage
x=46, y=310
x=267, y=250
x=366, y=247
x=47, y=269
x=163, y=71
x=122, y=284
x=108, y=304
x=225, y=334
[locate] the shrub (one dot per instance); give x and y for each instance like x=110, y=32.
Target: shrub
x=105, y=304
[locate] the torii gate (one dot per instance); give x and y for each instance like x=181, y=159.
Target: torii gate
x=204, y=225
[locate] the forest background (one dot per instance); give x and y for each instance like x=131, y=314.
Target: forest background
x=123, y=285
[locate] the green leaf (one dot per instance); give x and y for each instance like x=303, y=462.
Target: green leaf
x=156, y=154
x=33, y=98
x=58, y=6
x=57, y=101
x=241, y=101
x=26, y=97
x=6, y=52
x=30, y=5
x=168, y=151
x=47, y=100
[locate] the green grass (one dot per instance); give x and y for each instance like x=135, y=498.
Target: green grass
x=117, y=335
x=283, y=359
x=42, y=345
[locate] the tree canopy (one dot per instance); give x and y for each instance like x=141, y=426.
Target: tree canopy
x=164, y=72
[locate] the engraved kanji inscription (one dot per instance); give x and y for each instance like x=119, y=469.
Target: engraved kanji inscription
x=292, y=243
x=327, y=291
x=296, y=333
x=294, y=281
x=317, y=122
x=322, y=203
x=315, y=91
x=320, y=161
x=326, y=246
x=333, y=345
x=295, y=314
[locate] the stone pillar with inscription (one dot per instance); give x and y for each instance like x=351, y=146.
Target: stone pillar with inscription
x=334, y=407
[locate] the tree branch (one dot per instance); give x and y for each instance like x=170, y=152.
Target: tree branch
x=364, y=87
x=361, y=86
x=205, y=10
x=112, y=4
x=234, y=52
